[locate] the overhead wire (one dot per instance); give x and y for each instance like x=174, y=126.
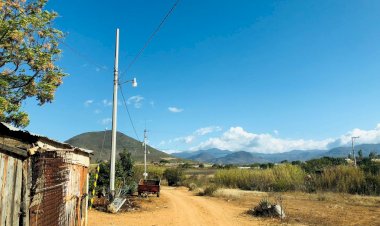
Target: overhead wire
x=151, y=37
x=129, y=114
x=88, y=60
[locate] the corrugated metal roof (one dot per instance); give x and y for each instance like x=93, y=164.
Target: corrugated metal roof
x=69, y=146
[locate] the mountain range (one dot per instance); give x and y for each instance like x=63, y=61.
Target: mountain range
x=100, y=143
x=243, y=157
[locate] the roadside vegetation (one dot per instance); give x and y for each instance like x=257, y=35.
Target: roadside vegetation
x=314, y=176
x=325, y=174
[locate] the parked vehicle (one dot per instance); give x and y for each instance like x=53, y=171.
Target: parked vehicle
x=149, y=186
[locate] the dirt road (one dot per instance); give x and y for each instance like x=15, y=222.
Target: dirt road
x=177, y=206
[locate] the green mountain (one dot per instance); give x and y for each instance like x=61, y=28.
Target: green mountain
x=100, y=143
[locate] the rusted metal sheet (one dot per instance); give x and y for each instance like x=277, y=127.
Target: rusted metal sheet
x=10, y=189
x=59, y=190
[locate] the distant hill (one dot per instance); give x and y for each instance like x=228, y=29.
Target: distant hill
x=239, y=157
x=202, y=155
x=344, y=151
x=94, y=141
x=243, y=157
x=293, y=155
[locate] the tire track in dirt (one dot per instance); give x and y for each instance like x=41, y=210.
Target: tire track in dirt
x=180, y=208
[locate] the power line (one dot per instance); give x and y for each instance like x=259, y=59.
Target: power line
x=89, y=60
x=151, y=37
x=129, y=115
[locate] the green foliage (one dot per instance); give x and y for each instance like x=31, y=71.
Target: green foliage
x=317, y=165
x=124, y=175
x=186, y=165
x=126, y=162
x=104, y=175
x=29, y=51
x=174, y=176
x=266, y=165
x=154, y=172
x=164, y=161
x=372, y=155
x=369, y=166
x=297, y=162
x=360, y=154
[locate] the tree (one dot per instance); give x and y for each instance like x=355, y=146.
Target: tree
x=174, y=176
x=372, y=155
x=126, y=162
x=124, y=173
x=360, y=154
x=28, y=53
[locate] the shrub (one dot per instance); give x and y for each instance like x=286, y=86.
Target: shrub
x=174, y=176
x=209, y=190
x=372, y=185
x=192, y=186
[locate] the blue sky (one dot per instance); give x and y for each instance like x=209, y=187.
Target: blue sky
x=266, y=76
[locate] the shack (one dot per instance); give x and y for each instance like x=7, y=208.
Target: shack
x=42, y=181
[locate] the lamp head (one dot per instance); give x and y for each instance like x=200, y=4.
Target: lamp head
x=134, y=82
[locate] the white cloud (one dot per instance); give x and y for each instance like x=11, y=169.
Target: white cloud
x=237, y=139
x=162, y=143
x=151, y=103
x=88, y=102
x=170, y=151
x=107, y=102
x=187, y=139
x=136, y=101
x=192, y=137
x=275, y=132
x=97, y=69
x=106, y=121
x=365, y=137
x=97, y=111
x=175, y=109
x=206, y=130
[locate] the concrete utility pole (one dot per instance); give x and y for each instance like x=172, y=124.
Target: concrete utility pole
x=114, y=118
x=353, y=151
x=145, y=140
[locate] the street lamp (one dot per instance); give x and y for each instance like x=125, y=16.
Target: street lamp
x=114, y=115
x=134, y=82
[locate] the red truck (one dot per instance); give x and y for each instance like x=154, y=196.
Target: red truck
x=149, y=186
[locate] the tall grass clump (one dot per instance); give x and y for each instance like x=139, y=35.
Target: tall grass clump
x=342, y=178
x=283, y=177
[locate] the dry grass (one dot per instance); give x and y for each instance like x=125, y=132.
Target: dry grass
x=283, y=177
x=324, y=208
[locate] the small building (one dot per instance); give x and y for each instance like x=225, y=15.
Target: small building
x=42, y=181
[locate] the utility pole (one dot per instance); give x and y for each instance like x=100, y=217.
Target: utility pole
x=353, y=151
x=114, y=118
x=145, y=141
